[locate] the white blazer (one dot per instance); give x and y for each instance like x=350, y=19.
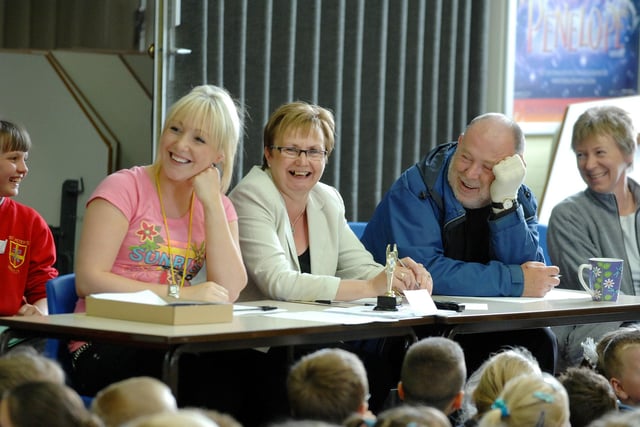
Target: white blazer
x=269, y=251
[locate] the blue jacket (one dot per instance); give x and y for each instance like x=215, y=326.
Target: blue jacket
x=420, y=212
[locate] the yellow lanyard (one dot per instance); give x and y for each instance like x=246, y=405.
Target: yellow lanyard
x=174, y=291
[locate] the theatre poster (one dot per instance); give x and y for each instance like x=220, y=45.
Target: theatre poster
x=573, y=51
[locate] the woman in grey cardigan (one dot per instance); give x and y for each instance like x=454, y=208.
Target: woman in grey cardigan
x=602, y=220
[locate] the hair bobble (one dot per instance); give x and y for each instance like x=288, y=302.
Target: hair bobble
x=589, y=352
x=545, y=397
x=499, y=404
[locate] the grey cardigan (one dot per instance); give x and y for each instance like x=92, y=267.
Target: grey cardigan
x=582, y=226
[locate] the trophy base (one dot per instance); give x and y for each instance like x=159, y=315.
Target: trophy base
x=386, y=303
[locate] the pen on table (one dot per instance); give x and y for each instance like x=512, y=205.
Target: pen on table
x=253, y=308
x=449, y=305
x=556, y=275
x=330, y=302
x=313, y=302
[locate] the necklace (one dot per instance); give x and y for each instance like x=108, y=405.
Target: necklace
x=293, y=224
x=174, y=289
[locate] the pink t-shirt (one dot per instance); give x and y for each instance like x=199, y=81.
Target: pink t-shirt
x=144, y=253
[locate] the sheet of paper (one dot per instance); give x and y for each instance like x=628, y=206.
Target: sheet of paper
x=404, y=312
x=143, y=297
x=475, y=306
x=421, y=302
x=326, y=316
x=564, y=294
x=555, y=294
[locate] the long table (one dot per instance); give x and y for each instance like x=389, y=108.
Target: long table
x=251, y=331
x=244, y=332
x=515, y=313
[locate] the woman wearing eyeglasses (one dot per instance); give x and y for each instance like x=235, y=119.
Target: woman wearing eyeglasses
x=294, y=237
x=296, y=243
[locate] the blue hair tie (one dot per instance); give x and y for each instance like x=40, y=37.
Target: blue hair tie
x=412, y=424
x=499, y=404
x=545, y=397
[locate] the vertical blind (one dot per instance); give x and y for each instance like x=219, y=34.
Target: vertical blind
x=401, y=76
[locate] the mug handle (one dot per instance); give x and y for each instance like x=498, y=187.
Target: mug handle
x=580, y=278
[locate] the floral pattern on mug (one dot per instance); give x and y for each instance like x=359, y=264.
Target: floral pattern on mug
x=604, y=285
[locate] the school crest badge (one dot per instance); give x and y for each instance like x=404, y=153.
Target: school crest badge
x=17, y=254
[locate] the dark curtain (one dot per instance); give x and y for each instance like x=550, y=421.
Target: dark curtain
x=401, y=76
x=71, y=24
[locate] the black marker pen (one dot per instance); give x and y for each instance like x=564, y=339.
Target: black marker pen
x=449, y=305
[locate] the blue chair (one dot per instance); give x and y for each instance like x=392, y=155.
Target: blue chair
x=61, y=298
x=358, y=228
x=542, y=240
x=61, y=294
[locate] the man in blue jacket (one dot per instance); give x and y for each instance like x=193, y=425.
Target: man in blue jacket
x=464, y=212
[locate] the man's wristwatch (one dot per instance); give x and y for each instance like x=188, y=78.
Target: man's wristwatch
x=506, y=204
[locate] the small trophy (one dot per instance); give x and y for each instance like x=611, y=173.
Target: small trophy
x=173, y=290
x=388, y=301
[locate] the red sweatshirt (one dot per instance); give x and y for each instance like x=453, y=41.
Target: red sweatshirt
x=27, y=255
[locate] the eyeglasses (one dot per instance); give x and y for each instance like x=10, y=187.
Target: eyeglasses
x=294, y=153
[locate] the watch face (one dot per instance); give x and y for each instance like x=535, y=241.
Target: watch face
x=507, y=204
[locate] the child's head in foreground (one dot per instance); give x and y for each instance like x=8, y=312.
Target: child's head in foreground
x=433, y=374
x=328, y=385
x=127, y=399
x=529, y=401
x=619, y=361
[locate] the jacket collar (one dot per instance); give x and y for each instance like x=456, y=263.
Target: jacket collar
x=434, y=169
x=607, y=201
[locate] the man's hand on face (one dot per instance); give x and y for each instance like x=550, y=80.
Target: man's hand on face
x=509, y=175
